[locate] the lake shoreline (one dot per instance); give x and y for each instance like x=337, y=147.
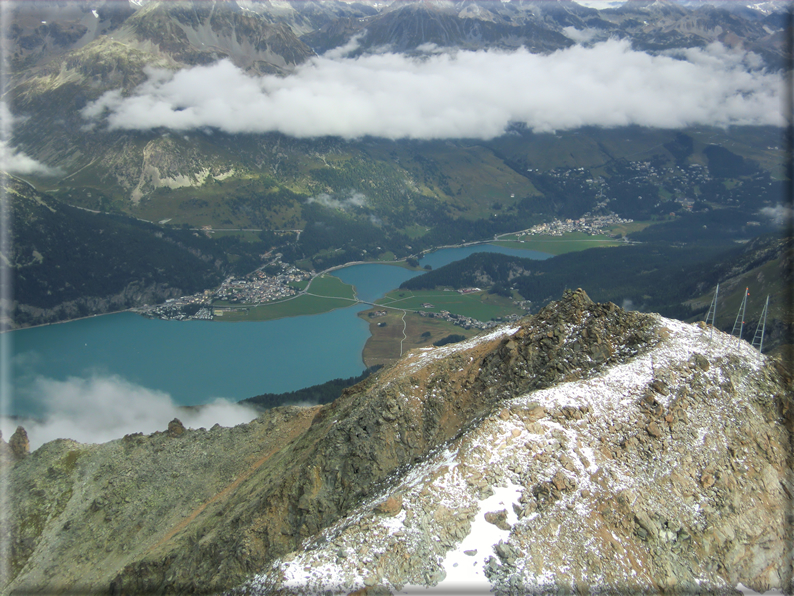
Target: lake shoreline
x=401, y=263
x=99, y=314
x=194, y=364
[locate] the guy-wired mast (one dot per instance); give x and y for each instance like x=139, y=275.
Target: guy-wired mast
x=712, y=312
x=739, y=322
x=758, y=338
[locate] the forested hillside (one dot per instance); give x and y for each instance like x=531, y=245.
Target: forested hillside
x=652, y=277
x=68, y=262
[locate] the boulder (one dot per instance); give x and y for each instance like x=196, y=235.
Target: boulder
x=19, y=443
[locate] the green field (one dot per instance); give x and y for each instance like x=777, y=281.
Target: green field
x=478, y=305
x=557, y=245
x=302, y=305
x=415, y=231
x=628, y=228
x=331, y=287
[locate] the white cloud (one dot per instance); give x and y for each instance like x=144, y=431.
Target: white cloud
x=600, y=4
x=353, y=199
x=103, y=408
x=580, y=35
x=345, y=50
x=779, y=214
x=15, y=161
x=460, y=95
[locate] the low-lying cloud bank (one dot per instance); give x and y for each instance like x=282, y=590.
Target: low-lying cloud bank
x=460, y=95
x=103, y=408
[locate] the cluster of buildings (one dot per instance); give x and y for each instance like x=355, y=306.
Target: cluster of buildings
x=186, y=308
x=592, y=224
x=258, y=287
x=255, y=288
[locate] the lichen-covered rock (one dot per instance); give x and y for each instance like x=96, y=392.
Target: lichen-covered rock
x=176, y=428
x=19, y=443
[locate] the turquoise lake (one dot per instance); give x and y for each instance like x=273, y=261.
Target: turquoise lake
x=196, y=362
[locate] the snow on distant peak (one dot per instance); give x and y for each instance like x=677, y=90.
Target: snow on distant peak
x=600, y=4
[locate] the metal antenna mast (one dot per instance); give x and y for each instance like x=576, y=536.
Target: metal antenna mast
x=739, y=322
x=758, y=338
x=712, y=312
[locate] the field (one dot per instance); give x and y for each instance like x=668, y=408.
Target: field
x=383, y=346
x=302, y=305
x=331, y=287
x=628, y=228
x=557, y=245
x=478, y=305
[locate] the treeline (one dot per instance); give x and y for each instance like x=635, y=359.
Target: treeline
x=324, y=393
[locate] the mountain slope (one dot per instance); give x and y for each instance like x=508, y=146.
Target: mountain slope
x=562, y=408
x=66, y=262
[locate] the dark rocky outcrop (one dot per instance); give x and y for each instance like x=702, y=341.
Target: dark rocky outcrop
x=19, y=443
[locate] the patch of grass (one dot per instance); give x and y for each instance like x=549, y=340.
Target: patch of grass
x=383, y=346
x=478, y=305
x=626, y=229
x=415, y=231
x=557, y=245
x=69, y=461
x=302, y=305
x=332, y=287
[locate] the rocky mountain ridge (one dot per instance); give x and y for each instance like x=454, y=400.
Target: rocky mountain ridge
x=619, y=449
x=657, y=475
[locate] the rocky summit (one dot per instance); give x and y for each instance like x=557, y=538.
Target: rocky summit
x=585, y=448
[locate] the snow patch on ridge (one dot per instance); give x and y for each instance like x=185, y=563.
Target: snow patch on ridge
x=418, y=360
x=497, y=465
